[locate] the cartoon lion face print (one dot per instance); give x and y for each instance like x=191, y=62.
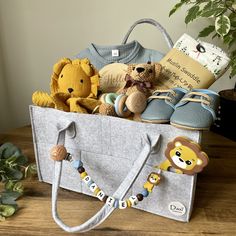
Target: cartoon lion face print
x=154, y=178
x=186, y=155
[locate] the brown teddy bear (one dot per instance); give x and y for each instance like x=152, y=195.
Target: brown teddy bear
x=132, y=98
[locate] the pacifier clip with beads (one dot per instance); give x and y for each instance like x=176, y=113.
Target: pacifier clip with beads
x=59, y=153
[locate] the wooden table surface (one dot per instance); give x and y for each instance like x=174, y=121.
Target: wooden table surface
x=214, y=209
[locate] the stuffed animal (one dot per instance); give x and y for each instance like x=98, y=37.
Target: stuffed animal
x=74, y=87
x=133, y=96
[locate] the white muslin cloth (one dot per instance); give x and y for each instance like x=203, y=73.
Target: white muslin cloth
x=210, y=56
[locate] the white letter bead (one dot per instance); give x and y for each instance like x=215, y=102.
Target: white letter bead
x=100, y=195
x=110, y=201
x=86, y=179
x=133, y=200
x=92, y=187
x=122, y=204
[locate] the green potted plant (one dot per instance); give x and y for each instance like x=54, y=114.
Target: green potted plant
x=14, y=167
x=222, y=15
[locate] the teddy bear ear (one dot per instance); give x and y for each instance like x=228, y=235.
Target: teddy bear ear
x=158, y=68
x=57, y=68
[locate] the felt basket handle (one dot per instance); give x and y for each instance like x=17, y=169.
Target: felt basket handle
x=149, y=145
x=152, y=22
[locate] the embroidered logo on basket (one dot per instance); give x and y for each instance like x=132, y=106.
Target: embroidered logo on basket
x=177, y=208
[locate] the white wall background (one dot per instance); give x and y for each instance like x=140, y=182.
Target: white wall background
x=35, y=34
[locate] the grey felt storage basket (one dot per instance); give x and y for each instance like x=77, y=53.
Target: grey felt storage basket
x=109, y=148
x=117, y=153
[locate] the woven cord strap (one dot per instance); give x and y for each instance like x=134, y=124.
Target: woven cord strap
x=100, y=216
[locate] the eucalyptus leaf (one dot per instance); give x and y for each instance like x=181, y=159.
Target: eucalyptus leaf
x=14, y=186
x=222, y=25
x=30, y=170
x=9, y=185
x=13, y=174
x=7, y=210
x=8, y=150
x=18, y=187
x=10, y=197
x=21, y=160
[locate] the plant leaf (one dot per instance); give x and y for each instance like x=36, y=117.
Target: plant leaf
x=228, y=38
x=233, y=65
x=13, y=174
x=8, y=150
x=9, y=198
x=21, y=160
x=7, y=210
x=18, y=187
x=192, y=14
x=206, y=31
x=212, y=9
x=9, y=185
x=30, y=170
x=176, y=7
x=213, y=12
x=222, y=25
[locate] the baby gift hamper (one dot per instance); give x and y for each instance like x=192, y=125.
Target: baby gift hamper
x=151, y=165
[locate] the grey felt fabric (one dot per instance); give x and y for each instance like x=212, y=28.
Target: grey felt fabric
x=150, y=145
x=109, y=147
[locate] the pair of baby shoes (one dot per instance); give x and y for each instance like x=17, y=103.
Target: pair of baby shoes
x=195, y=109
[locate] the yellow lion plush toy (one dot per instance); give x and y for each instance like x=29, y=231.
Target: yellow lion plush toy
x=74, y=87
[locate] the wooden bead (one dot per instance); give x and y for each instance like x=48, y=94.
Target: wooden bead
x=140, y=197
x=58, y=153
x=81, y=169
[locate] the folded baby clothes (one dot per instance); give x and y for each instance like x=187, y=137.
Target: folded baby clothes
x=192, y=64
x=128, y=53
x=210, y=56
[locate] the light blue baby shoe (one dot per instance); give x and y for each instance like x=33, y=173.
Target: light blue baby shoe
x=196, y=110
x=161, y=105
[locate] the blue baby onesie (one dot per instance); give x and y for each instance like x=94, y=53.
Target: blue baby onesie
x=132, y=52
